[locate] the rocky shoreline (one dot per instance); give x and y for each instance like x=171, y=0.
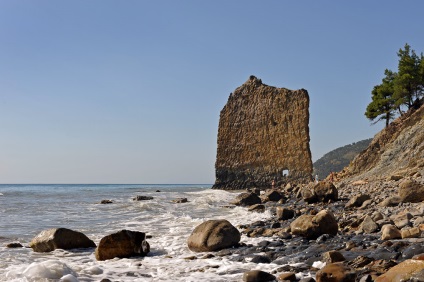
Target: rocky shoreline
x=378, y=228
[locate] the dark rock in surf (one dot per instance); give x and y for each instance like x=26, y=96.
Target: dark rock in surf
x=247, y=199
x=142, y=198
x=180, y=200
x=257, y=276
x=103, y=202
x=213, y=235
x=60, y=238
x=122, y=244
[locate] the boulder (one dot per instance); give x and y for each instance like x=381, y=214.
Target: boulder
x=271, y=195
x=402, y=220
x=403, y=271
x=326, y=191
x=332, y=257
x=411, y=191
x=247, y=199
x=213, y=235
x=368, y=225
x=103, y=202
x=257, y=276
x=357, y=201
x=413, y=232
x=60, y=238
x=336, y=272
x=257, y=208
x=122, y=244
x=319, y=192
x=287, y=276
x=391, y=201
x=284, y=213
x=389, y=232
x=142, y=198
x=180, y=200
x=312, y=226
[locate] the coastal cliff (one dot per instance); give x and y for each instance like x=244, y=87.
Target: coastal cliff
x=263, y=136
x=398, y=150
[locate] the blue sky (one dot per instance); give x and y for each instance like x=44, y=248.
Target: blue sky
x=130, y=91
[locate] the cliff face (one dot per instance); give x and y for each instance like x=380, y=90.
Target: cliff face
x=263, y=136
x=396, y=150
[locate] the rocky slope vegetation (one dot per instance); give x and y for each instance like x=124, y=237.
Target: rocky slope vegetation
x=396, y=151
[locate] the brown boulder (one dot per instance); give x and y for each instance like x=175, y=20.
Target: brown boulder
x=402, y=272
x=389, y=232
x=312, y=226
x=213, y=235
x=326, y=191
x=335, y=272
x=272, y=195
x=247, y=199
x=357, y=201
x=122, y=244
x=60, y=238
x=284, y=213
x=411, y=191
x=257, y=276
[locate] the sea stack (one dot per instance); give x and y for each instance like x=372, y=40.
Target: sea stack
x=263, y=137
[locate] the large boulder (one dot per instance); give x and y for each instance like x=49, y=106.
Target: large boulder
x=403, y=271
x=320, y=192
x=247, y=199
x=258, y=276
x=411, y=191
x=313, y=226
x=60, y=238
x=272, y=195
x=122, y=244
x=213, y=235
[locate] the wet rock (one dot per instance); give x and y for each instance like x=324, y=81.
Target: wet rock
x=368, y=225
x=403, y=271
x=103, y=202
x=312, y=226
x=260, y=259
x=411, y=191
x=307, y=279
x=360, y=261
x=287, y=276
x=247, y=199
x=413, y=250
x=332, y=257
x=122, y=244
x=336, y=272
x=258, y=276
x=180, y=200
x=389, y=232
x=142, y=198
x=60, y=238
x=14, y=245
x=257, y=208
x=413, y=232
x=357, y=201
x=213, y=235
x=284, y=213
x=271, y=195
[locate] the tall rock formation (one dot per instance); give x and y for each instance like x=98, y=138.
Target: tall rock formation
x=263, y=136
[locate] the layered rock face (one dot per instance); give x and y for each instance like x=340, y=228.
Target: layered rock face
x=397, y=150
x=263, y=136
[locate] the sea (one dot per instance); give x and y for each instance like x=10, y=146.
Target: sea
x=26, y=210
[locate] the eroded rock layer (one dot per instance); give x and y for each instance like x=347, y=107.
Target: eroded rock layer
x=263, y=136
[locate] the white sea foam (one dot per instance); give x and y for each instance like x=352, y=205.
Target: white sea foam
x=169, y=225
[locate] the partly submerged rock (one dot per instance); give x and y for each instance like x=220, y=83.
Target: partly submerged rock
x=122, y=244
x=60, y=238
x=142, y=198
x=247, y=199
x=213, y=235
x=258, y=276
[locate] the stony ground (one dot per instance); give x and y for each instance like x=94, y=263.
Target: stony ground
x=377, y=230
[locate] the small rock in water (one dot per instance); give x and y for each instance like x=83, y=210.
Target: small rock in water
x=106, y=202
x=180, y=200
x=142, y=198
x=14, y=245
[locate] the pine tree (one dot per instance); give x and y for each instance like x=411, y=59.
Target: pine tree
x=383, y=103
x=409, y=82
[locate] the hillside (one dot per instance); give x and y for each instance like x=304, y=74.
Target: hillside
x=396, y=150
x=339, y=158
